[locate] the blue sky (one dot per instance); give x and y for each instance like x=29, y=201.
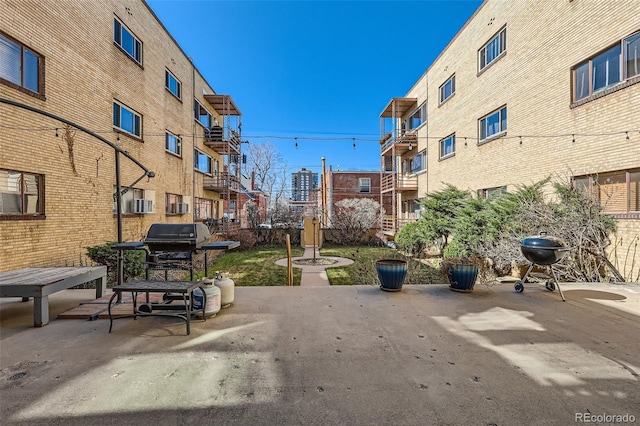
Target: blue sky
x=318, y=71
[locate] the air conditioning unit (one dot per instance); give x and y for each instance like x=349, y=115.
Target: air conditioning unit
x=182, y=208
x=143, y=206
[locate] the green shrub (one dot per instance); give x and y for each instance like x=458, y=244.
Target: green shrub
x=106, y=255
x=414, y=237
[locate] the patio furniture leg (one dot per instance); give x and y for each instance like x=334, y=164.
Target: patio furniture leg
x=40, y=311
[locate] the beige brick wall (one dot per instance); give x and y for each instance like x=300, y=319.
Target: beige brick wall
x=545, y=39
x=84, y=72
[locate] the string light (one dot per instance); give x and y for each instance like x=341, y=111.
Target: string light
x=57, y=133
x=520, y=140
x=627, y=135
x=465, y=141
x=354, y=143
x=573, y=138
x=296, y=143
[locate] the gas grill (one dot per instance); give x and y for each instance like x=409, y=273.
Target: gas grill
x=172, y=246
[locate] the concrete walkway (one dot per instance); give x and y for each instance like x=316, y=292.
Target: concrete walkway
x=315, y=275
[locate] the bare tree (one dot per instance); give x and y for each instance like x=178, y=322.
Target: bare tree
x=270, y=173
x=354, y=217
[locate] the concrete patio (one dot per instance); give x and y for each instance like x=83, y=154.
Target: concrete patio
x=348, y=355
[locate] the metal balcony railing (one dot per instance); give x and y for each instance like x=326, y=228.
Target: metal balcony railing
x=403, y=143
x=221, y=181
x=222, y=140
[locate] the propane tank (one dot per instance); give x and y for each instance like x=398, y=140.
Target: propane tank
x=226, y=286
x=213, y=299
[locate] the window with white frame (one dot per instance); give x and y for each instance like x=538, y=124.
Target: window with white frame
x=20, y=66
x=616, y=192
x=448, y=89
x=493, y=124
x=201, y=162
x=128, y=200
x=173, y=143
x=418, y=117
x=615, y=65
x=172, y=84
x=127, y=119
x=21, y=194
x=418, y=163
x=129, y=43
x=493, y=50
x=448, y=146
x=201, y=114
x=364, y=185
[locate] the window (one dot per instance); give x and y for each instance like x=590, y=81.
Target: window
x=21, y=194
x=201, y=162
x=174, y=204
x=615, y=65
x=20, y=66
x=419, y=162
x=365, y=185
x=173, y=144
x=418, y=117
x=448, y=88
x=493, y=124
x=172, y=84
x=127, y=41
x=493, y=49
x=448, y=146
x=202, y=116
x=616, y=192
x=128, y=201
x=126, y=119
x=203, y=208
x=491, y=192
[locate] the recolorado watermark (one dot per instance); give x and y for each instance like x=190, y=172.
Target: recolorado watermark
x=604, y=418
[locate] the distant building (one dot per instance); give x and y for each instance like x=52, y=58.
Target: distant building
x=354, y=184
x=303, y=184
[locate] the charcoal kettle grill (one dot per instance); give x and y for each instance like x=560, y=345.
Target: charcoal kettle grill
x=542, y=250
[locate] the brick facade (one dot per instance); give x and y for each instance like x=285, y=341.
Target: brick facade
x=548, y=133
x=85, y=72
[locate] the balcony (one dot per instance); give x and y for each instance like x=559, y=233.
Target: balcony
x=222, y=140
x=398, y=182
x=399, y=145
x=220, y=182
x=391, y=225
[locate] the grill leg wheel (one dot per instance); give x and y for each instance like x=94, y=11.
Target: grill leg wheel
x=518, y=287
x=550, y=286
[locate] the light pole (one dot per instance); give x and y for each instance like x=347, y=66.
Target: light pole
x=314, y=221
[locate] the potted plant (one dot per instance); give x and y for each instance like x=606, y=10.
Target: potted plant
x=461, y=266
x=391, y=273
x=461, y=259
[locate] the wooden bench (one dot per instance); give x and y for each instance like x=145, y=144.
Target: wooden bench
x=39, y=283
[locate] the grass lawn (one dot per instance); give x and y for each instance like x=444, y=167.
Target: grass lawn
x=256, y=267
x=363, y=270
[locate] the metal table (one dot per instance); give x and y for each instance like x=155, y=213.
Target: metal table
x=173, y=290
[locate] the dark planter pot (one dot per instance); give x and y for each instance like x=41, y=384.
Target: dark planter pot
x=391, y=273
x=462, y=277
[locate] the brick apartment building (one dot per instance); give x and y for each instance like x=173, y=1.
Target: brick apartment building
x=114, y=70
x=525, y=90
x=342, y=185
